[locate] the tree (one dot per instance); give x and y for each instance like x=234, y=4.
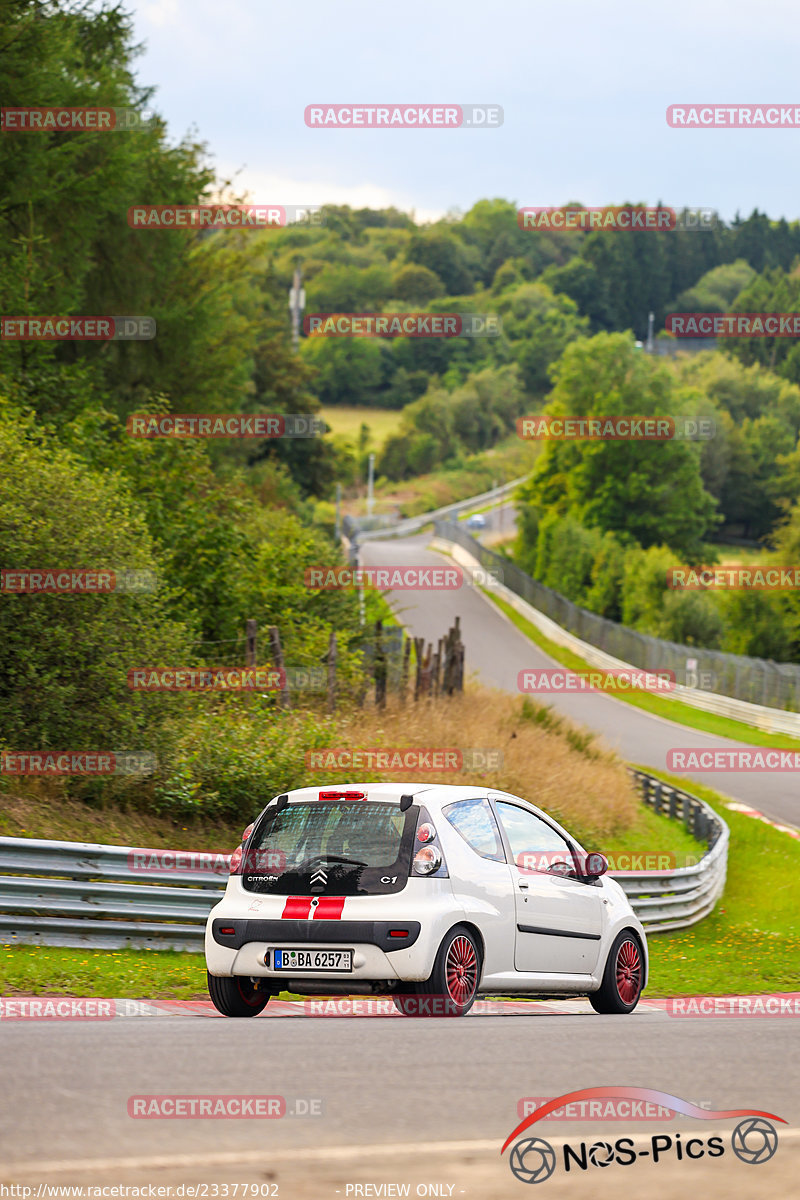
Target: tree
x=443, y=253
x=538, y=325
x=652, y=492
x=64, y=658
x=416, y=284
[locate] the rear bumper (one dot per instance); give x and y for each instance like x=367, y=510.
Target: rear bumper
x=288, y=932
x=425, y=911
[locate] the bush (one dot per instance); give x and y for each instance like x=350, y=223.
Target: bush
x=64, y=658
x=226, y=764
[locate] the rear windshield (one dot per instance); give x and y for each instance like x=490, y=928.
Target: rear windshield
x=335, y=847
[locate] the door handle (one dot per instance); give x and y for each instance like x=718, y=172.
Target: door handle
x=522, y=885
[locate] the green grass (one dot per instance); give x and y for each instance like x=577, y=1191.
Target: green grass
x=347, y=422
x=148, y=974
x=660, y=706
x=751, y=941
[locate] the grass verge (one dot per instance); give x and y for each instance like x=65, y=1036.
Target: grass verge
x=751, y=941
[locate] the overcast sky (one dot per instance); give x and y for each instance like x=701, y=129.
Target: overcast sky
x=584, y=88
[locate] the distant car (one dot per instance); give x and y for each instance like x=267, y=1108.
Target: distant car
x=419, y=890
x=476, y=521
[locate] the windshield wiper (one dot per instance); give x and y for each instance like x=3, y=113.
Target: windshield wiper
x=334, y=858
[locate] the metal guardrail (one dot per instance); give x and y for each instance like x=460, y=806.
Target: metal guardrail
x=664, y=900
x=80, y=894
x=83, y=894
x=364, y=529
x=771, y=690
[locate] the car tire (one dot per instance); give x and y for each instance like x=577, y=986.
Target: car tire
x=453, y=984
x=237, y=995
x=622, y=978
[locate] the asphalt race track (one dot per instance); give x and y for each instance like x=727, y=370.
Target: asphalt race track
x=496, y=651
x=66, y=1119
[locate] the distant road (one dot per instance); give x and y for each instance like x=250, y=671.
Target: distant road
x=497, y=651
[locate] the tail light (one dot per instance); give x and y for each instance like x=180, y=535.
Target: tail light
x=236, y=861
x=428, y=854
x=427, y=860
x=248, y=831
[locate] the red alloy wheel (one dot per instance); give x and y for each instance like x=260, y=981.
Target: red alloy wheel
x=461, y=970
x=249, y=992
x=629, y=972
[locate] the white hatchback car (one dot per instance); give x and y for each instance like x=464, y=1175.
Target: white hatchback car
x=419, y=891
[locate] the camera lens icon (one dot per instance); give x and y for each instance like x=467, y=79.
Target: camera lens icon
x=533, y=1160
x=754, y=1140
x=601, y=1154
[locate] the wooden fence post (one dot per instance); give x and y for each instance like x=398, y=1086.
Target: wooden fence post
x=419, y=644
x=276, y=654
x=251, y=643
x=429, y=669
x=380, y=666
x=406, y=666
x=332, y=672
x=437, y=667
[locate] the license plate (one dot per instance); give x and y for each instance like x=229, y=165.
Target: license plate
x=312, y=960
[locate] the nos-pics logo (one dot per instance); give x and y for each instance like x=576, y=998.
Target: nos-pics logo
x=754, y=1140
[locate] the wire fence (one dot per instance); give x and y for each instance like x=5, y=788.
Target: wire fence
x=755, y=680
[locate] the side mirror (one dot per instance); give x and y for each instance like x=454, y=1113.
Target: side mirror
x=595, y=865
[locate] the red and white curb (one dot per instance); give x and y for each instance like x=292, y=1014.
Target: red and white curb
x=747, y=811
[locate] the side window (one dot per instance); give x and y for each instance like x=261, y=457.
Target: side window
x=475, y=822
x=535, y=845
